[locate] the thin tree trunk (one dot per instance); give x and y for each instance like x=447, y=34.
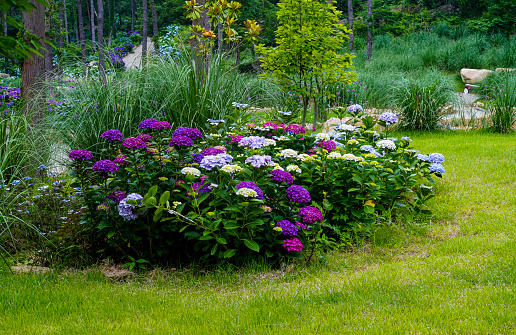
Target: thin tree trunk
x=100, y=37
x=133, y=13
x=33, y=70
x=92, y=18
x=4, y=16
x=145, y=13
x=61, y=27
x=47, y=52
x=220, y=37
x=111, y=15
x=154, y=26
x=350, y=26
x=316, y=111
x=67, y=38
x=369, y=34
x=81, y=35
x=76, y=23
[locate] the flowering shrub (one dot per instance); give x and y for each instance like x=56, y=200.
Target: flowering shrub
x=271, y=189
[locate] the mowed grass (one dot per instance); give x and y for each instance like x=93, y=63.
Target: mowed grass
x=453, y=274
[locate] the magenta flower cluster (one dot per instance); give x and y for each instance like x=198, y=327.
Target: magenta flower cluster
x=160, y=125
x=310, y=214
x=134, y=143
x=179, y=141
x=212, y=151
x=294, y=128
x=80, y=155
x=328, y=145
x=293, y=244
x=299, y=194
x=112, y=135
x=144, y=137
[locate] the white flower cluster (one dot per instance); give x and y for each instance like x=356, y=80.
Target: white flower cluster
x=231, y=168
x=190, y=171
x=176, y=203
x=282, y=138
x=305, y=158
x=334, y=154
x=351, y=157
x=215, y=135
x=276, y=166
x=386, y=144
x=345, y=127
x=271, y=142
x=288, y=153
x=322, y=137
x=247, y=192
x=293, y=168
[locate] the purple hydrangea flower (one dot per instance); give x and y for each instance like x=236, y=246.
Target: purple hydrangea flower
x=134, y=143
x=292, y=244
x=180, y=141
x=388, y=118
x=112, y=135
x=197, y=158
x=287, y=228
x=437, y=168
x=80, y=155
x=192, y=133
x=421, y=157
x=105, y=167
x=235, y=138
x=436, y=158
x=310, y=214
x=200, y=187
x=259, y=161
x=128, y=211
x=282, y=176
x=120, y=160
x=146, y=123
x=144, y=137
x=160, y=125
x=117, y=196
x=270, y=124
x=299, y=194
x=209, y=162
x=367, y=148
x=406, y=138
x=252, y=186
x=212, y=151
x=355, y=108
x=294, y=128
x=328, y=145
x=253, y=142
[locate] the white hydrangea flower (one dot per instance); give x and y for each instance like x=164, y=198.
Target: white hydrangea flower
x=334, y=154
x=293, y=168
x=345, y=127
x=190, y=171
x=247, y=192
x=276, y=166
x=215, y=135
x=231, y=168
x=322, y=137
x=351, y=157
x=283, y=138
x=176, y=203
x=305, y=158
x=288, y=153
x=271, y=142
x=386, y=144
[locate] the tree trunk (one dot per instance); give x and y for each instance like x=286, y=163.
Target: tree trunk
x=61, y=27
x=100, y=37
x=350, y=26
x=81, y=35
x=33, y=70
x=145, y=13
x=47, y=52
x=133, y=13
x=154, y=26
x=92, y=18
x=369, y=34
x=67, y=38
x=305, y=107
x=316, y=112
x=4, y=16
x=237, y=52
x=111, y=15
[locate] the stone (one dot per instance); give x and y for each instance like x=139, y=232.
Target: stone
x=30, y=269
x=504, y=69
x=474, y=76
x=4, y=75
x=92, y=63
x=327, y=126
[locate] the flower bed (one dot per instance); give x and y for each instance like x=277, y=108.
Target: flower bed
x=272, y=189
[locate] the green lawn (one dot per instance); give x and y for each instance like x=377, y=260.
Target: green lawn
x=454, y=274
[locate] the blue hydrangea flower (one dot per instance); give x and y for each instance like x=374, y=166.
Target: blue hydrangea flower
x=209, y=162
x=128, y=211
x=436, y=158
x=367, y=148
x=437, y=168
x=421, y=157
x=355, y=108
x=388, y=118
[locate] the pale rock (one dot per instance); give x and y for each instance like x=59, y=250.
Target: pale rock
x=328, y=124
x=474, y=76
x=4, y=75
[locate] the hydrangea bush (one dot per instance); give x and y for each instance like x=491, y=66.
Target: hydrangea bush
x=272, y=189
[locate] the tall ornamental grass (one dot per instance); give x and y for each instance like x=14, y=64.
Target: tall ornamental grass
x=500, y=90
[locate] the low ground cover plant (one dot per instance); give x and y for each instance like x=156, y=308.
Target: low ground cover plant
x=273, y=189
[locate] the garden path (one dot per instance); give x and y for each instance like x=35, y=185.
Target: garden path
x=463, y=108
x=133, y=60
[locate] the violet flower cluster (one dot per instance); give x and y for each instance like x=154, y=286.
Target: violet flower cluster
x=212, y=151
x=144, y=137
x=145, y=124
x=436, y=158
x=128, y=211
x=287, y=228
x=134, y=143
x=209, y=162
x=192, y=133
x=328, y=145
x=389, y=118
x=180, y=141
x=105, y=167
x=112, y=135
x=355, y=108
x=299, y=194
x=259, y=160
x=253, y=142
x=117, y=196
x=252, y=186
x=282, y=176
x=80, y=155
x=310, y=214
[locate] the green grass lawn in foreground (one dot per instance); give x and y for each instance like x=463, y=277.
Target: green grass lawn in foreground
x=453, y=275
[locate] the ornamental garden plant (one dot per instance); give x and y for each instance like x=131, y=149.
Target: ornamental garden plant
x=164, y=195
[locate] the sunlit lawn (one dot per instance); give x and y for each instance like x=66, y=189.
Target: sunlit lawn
x=452, y=274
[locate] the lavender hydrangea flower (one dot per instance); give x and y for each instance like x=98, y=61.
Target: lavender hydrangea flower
x=80, y=155
x=253, y=142
x=105, y=167
x=282, y=176
x=160, y=125
x=437, y=168
x=293, y=244
x=389, y=118
x=436, y=158
x=192, y=133
x=406, y=138
x=287, y=228
x=146, y=123
x=134, y=143
x=128, y=211
x=209, y=162
x=367, y=148
x=310, y=214
x=200, y=187
x=117, y=196
x=421, y=157
x=299, y=194
x=112, y=135
x=252, y=186
x=144, y=137
x=212, y=151
x=178, y=141
x=259, y=160
x=355, y=108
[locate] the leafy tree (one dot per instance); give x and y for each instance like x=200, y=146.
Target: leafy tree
x=307, y=57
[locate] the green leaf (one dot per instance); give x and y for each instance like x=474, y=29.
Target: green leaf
x=230, y=253
x=214, y=249
x=111, y=234
x=252, y=245
x=206, y=238
x=164, y=198
x=221, y=240
x=231, y=225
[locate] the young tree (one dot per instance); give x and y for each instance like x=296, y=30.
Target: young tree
x=100, y=35
x=369, y=34
x=92, y=20
x=350, y=26
x=307, y=57
x=145, y=18
x=80, y=28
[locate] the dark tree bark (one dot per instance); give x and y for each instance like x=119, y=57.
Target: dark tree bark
x=100, y=38
x=92, y=20
x=220, y=37
x=67, y=38
x=4, y=16
x=350, y=26
x=369, y=34
x=33, y=70
x=60, y=24
x=111, y=21
x=154, y=26
x=81, y=35
x=145, y=13
x=133, y=13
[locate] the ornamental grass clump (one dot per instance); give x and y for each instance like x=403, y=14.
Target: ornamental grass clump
x=194, y=196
